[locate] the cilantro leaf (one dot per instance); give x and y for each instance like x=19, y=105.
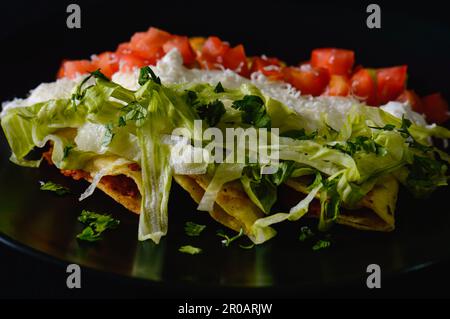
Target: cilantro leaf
x=299, y=134
x=134, y=111
x=99, y=75
x=305, y=233
x=96, y=225
x=228, y=240
x=147, y=74
x=285, y=170
x=253, y=111
x=191, y=250
x=88, y=234
x=109, y=134
x=321, y=244
x=67, y=150
x=193, y=229
x=330, y=202
x=359, y=143
x=387, y=127
x=425, y=175
x=211, y=112
x=219, y=88
x=52, y=187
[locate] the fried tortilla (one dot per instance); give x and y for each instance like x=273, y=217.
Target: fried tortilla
x=374, y=212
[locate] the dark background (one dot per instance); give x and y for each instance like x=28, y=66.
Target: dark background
x=413, y=34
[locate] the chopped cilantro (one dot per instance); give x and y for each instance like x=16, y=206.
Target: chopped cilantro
x=305, y=233
x=109, y=134
x=96, y=225
x=147, y=74
x=253, y=111
x=219, y=88
x=52, y=187
x=321, y=244
x=191, y=250
x=228, y=240
x=193, y=229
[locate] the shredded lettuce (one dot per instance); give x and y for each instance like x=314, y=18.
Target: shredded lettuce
x=348, y=153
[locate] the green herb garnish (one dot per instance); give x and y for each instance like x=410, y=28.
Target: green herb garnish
x=228, y=240
x=387, y=127
x=193, y=229
x=299, y=134
x=191, y=250
x=67, y=150
x=305, y=233
x=357, y=144
x=321, y=244
x=96, y=225
x=253, y=111
x=147, y=74
x=109, y=134
x=219, y=88
x=134, y=111
x=211, y=112
x=56, y=188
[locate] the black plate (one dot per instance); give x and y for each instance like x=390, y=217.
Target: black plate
x=44, y=223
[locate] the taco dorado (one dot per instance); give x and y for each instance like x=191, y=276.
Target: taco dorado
x=343, y=159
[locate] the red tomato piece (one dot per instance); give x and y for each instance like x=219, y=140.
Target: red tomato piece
x=270, y=67
x=390, y=83
x=436, y=108
x=339, y=86
x=107, y=62
x=183, y=46
x=149, y=45
x=336, y=61
x=413, y=99
x=214, y=49
x=73, y=68
x=124, y=48
x=128, y=62
x=307, y=79
x=236, y=60
x=363, y=86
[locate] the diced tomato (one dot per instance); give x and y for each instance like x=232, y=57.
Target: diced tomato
x=307, y=79
x=363, y=86
x=270, y=67
x=214, y=49
x=149, y=45
x=197, y=43
x=236, y=60
x=413, y=99
x=71, y=69
x=124, y=48
x=339, y=86
x=128, y=62
x=436, y=108
x=107, y=62
x=336, y=61
x=183, y=46
x=390, y=83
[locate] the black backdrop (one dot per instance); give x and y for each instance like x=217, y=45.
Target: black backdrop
x=413, y=34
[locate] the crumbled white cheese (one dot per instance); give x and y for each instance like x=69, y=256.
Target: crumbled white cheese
x=171, y=70
x=399, y=110
x=60, y=89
